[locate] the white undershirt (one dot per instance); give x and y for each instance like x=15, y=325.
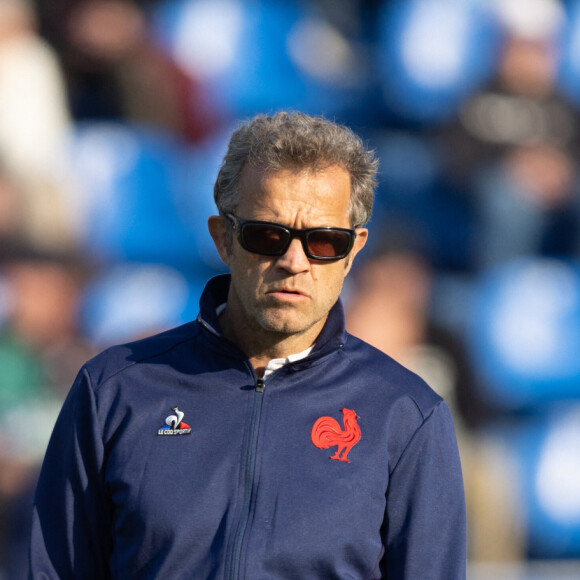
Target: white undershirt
x=278, y=363
x=275, y=363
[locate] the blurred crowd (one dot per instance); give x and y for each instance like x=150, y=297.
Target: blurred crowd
x=114, y=115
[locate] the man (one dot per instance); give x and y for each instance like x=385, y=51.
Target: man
x=261, y=440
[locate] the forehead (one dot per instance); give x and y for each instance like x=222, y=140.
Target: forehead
x=304, y=197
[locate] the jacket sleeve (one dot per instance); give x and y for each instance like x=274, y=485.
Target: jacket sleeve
x=425, y=524
x=71, y=517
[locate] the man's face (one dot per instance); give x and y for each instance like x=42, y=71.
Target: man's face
x=289, y=294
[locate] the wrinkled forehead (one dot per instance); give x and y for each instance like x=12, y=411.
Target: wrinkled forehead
x=323, y=191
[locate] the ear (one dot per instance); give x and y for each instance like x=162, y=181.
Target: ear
x=217, y=230
x=362, y=235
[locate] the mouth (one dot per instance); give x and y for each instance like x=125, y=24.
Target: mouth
x=287, y=293
x=287, y=290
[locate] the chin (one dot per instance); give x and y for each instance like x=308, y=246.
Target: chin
x=282, y=327
x=285, y=323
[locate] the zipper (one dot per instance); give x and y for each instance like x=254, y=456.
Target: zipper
x=249, y=475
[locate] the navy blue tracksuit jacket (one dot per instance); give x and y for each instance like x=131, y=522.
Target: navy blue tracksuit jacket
x=170, y=459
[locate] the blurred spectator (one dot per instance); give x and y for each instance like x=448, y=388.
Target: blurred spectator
x=115, y=71
x=40, y=350
x=514, y=143
x=388, y=305
x=12, y=210
x=34, y=122
x=43, y=293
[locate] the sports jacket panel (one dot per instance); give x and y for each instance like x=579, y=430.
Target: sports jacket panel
x=169, y=459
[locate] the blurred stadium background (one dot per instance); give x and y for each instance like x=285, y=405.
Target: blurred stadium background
x=114, y=115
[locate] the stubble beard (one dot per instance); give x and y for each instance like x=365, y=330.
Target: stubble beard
x=287, y=323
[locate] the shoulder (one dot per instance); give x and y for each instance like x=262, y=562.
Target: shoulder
x=120, y=358
x=397, y=383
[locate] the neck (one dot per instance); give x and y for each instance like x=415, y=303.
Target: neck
x=261, y=345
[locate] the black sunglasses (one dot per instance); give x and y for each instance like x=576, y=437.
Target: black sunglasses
x=270, y=239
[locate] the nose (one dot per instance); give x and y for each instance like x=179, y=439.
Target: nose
x=294, y=260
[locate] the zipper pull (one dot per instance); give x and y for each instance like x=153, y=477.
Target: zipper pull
x=260, y=385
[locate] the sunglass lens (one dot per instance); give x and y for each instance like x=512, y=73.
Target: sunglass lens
x=328, y=244
x=265, y=239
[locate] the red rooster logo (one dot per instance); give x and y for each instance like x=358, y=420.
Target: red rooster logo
x=326, y=432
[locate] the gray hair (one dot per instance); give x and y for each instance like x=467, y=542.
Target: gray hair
x=297, y=141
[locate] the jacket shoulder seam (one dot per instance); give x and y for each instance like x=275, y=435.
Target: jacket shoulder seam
x=100, y=384
x=425, y=418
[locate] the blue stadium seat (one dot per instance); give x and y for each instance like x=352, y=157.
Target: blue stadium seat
x=260, y=55
x=432, y=53
x=569, y=50
x=130, y=300
x=524, y=333
x=547, y=459
x=130, y=195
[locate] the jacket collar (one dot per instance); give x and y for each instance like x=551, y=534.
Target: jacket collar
x=215, y=293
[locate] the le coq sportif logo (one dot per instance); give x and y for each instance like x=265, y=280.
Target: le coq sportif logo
x=174, y=424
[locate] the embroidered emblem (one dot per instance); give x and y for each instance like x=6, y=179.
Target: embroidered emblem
x=174, y=424
x=326, y=433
